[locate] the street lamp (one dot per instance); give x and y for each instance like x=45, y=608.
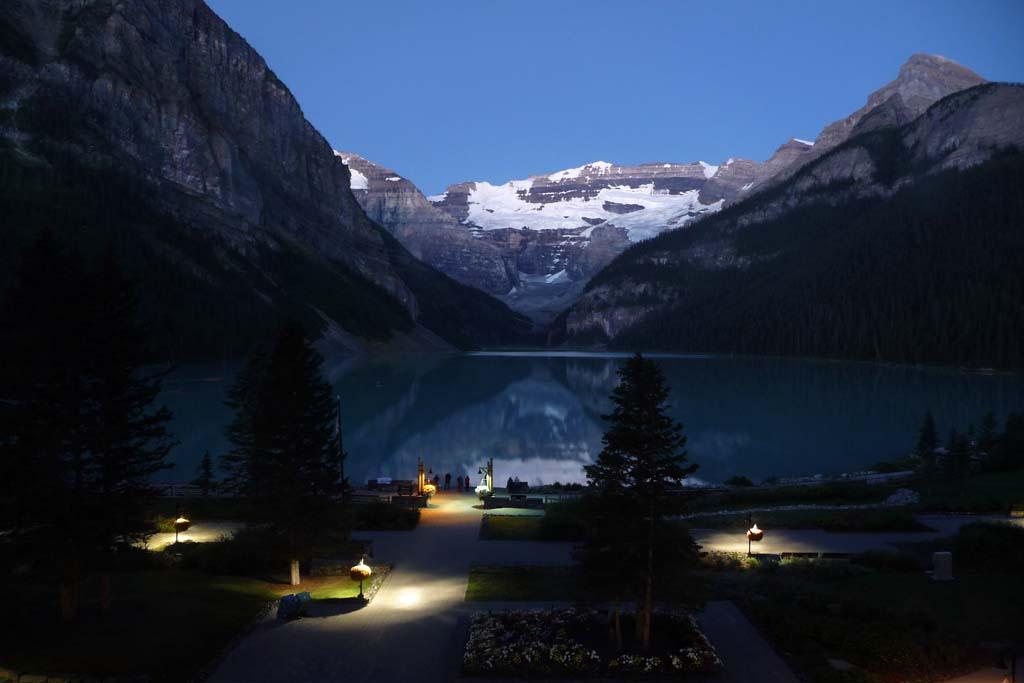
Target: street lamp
x=359, y=573
x=182, y=523
x=753, y=534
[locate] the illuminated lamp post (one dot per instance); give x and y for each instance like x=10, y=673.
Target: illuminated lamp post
x=488, y=472
x=182, y=523
x=753, y=534
x=360, y=573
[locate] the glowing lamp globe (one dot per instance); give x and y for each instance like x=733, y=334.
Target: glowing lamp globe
x=360, y=572
x=755, y=534
x=182, y=524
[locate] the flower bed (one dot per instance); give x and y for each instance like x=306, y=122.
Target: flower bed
x=574, y=643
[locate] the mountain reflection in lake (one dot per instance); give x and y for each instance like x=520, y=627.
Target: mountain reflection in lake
x=538, y=415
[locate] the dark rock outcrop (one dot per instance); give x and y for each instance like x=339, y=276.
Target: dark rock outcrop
x=167, y=95
x=432, y=235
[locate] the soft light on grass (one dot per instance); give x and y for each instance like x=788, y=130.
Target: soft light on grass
x=559, y=583
x=510, y=528
x=871, y=520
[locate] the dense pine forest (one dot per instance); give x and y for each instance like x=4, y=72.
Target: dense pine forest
x=933, y=274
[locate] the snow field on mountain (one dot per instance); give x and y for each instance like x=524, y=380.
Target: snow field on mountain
x=495, y=207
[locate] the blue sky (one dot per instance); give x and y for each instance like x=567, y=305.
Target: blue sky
x=447, y=91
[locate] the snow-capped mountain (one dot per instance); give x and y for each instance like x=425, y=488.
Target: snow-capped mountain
x=642, y=200
x=535, y=242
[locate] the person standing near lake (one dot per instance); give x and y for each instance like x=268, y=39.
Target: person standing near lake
x=448, y=481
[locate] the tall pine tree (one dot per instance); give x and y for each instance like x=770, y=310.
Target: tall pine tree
x=927, y=438
x=644, y=456
x=83, y=433
x=286, y=458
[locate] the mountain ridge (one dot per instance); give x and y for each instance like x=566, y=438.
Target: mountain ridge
x=670, y=278
x=554, y=231
x=169, y=96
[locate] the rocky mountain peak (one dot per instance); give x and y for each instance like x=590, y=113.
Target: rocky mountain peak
x=923, y=80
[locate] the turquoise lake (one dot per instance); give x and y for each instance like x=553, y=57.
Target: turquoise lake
x=538, y=414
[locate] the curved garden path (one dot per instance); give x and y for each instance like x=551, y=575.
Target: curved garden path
x=415, y=626
x=411, y=631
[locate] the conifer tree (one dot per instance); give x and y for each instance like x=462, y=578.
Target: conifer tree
x=83, y=431
x=927, y=438
x=644, y=455
x=286, y=457
x=204, y=475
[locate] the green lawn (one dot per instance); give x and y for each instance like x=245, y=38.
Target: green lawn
x=897, y=626
x=830, y=520
x=523, y=583
x=168, y=623
x=510, y=528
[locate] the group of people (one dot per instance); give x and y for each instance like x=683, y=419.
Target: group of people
x=461, y=483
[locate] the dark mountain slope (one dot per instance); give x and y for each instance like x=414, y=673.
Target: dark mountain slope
x=881, y=249
x=154, y=125
x=934, y=274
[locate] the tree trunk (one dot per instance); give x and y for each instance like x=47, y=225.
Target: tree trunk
x=105, y=591
x=69, y=589
x=649, y=583
x=618, y=628
x=296, y=579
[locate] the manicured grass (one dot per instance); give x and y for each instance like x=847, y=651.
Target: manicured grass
x=988, y=492
x=167, y=623
x=870, y=520
x=896, y=624
x=826, y=493
x=523, y=583
x=560, y=522
x=510, y=528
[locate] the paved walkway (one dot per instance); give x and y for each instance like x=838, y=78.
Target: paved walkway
x=413, y=629
x=415, y=626
x=747, y=655
x=201, y=532
x=815, y=540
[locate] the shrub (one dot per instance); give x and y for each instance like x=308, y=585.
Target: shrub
x=820, y=569
x=888, y=561
x=738, y=480
x=248, y=550
x=991, y=548
x=381, y=516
